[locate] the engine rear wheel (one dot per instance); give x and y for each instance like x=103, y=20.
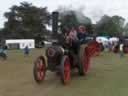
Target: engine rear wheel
x=84, y=61
x=39, y=69
x=65, y=70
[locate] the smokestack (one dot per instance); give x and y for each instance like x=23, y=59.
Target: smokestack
x=55, y=16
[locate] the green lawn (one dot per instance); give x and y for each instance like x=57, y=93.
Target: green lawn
x=108, y=77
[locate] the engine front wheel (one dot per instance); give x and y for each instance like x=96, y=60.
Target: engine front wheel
x=65, y=70
x=39, y=69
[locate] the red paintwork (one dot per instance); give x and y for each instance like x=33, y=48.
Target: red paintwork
x=89, y=51
x=40, y=70
x=67, y=75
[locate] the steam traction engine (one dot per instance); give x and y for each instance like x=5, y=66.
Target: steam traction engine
x=63, y=60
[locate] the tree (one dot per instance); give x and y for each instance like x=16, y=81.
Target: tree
x=2, y=37
x=126, y=30
x=119, y=24
x=26, y=21
x=112, y=26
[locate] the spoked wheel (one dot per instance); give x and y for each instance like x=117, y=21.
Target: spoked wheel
x=65, y=70
x=84, y=61
x=39, y=69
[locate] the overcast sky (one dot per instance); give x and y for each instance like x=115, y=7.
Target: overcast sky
x=91, y=8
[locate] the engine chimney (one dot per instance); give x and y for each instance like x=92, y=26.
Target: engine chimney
x=55, y=16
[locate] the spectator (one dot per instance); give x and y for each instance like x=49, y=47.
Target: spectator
x=3, y=52
x=26, y=51
x=121, y=50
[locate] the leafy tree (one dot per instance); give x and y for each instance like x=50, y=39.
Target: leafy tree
x=126, y=30
x=26, y=21
x=110, y=25
x=1, y=37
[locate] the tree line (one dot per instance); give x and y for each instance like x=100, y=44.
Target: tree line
x=27, y=21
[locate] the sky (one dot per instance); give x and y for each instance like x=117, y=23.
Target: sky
x=91, y=8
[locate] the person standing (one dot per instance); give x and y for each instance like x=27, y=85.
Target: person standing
x=3, y=52
x=121, y=50
x=26, y=51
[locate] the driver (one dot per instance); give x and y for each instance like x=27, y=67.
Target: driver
x=82, y=33
x=74, y=38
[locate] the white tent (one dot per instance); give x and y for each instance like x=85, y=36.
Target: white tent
x=114, y=39
x=101, y=39
x=20, y=43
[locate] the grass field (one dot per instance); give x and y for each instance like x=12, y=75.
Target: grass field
x=108, y=77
